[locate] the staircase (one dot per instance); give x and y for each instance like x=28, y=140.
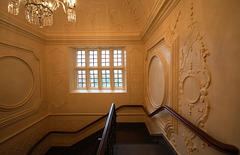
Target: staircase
x=131, y=139
x=134, y=138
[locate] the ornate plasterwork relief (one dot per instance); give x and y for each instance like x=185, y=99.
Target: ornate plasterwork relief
x=132, y=11
x=21, y=143
x=91, y=15
x=194, y=81
x=104, y=16
x=135, y=74
x=14, y=82
x=191, y=145
x=113, y=15
x=166, y=49
x=20, y=83
x=194, y=70
x=56, y=78
x=169, y=42
x=157, y=55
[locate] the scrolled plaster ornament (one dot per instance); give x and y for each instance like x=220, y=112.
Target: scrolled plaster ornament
x=204, y=145
x=193, y=63
x=91, y=15
x=172, y=139
x=113, y=17
x=191, y=145
x=176, y=22
x=132, y=11
x=193, y=60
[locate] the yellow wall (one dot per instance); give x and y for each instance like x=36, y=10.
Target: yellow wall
x=23, y=87
x=197, y=46
x=206, y=36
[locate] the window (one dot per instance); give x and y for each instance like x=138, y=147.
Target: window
x=100, y=69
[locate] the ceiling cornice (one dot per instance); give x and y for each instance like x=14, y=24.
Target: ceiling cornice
x=159, y=13
x=92, y=37
x=151, y=18
x=10, y=22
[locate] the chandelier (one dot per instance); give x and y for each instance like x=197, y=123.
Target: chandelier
x=40, y=12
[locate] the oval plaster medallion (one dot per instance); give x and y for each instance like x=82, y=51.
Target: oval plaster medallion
x=156, y=80
x=191, y=89
x=16, y=82
x=136, y=77
x=57, y=77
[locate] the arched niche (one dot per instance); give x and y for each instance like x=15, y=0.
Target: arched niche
x=157, y=79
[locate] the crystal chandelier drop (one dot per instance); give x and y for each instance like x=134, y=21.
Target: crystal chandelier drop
x=40, y=12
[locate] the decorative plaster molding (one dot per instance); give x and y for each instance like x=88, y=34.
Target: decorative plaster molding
x=160, y=56
x=191, y=145
x=46, y=117
x=132, y=10
x=56, y=81
x=10, y=22
x=167, y=41
x=24, y=129
x=134, y=72
x=135, y=77
x=169, y=130
x=31, y=90
x=194, y=72
x=112, y=14
x=160, y=12
x=173, y=142
x=34, y=64
x=20, y=115
x=193, y=65
x=91, y=15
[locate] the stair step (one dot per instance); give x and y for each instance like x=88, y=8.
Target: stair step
x=139, y=149
x=131, y=139
x=132, y=133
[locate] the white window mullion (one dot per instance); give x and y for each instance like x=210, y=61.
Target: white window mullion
x=99, y=70
x=87, y=69
x=125, y=69
x=99, y=62
x=87, y=79
x=111, y=70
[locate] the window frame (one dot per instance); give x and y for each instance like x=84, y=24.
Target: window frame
x=99, y=68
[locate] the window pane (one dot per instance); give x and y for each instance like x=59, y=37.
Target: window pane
x=105, y=57
x=106, y=78
x=81, y=78
x=93, y=78
x=93, y=58
x=88, y=64
x=117, y=55
x=118, y=78
x=81, y=58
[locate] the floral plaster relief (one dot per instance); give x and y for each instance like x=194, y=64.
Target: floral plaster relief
x=194, y=80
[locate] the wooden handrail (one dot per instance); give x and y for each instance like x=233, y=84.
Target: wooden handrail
x=101, y=149
x=225, y=148
x=64, y=132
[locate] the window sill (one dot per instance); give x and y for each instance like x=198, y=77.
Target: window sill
x=98, y=91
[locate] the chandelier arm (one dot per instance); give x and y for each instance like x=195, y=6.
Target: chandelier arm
x=63, y=6
x=39, y=5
